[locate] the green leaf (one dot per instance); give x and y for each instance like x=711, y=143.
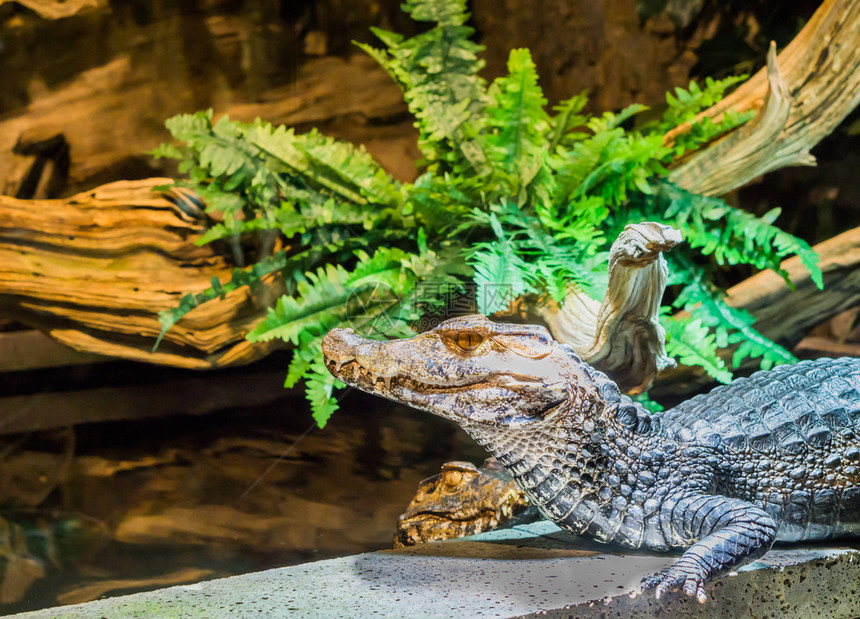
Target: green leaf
x=499, y=275
x=566, y=119
x=319, y=387
x=731, y=235
x=707, y=304
x=438, y=73
x=240, y=277
x=518, y=126
x=691, y=343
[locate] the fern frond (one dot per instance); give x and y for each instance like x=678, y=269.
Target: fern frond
x=438, y=74
x=530, y=257
x=500, y=274
x=731, y=326
x=443, y=12
x=320, y=385
x=731, y=235
x=687, y=103
x=346, y=170
x=692, y=343
x=703, y=131
x=322, y=297
x=574, y=165
x=612, y=120
x=517, y=125
x=568, y=118
x=240, y=277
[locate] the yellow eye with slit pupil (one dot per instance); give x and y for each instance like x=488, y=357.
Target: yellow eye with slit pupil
x=469, y=340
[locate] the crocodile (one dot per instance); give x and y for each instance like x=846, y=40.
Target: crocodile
x=461, y=500
x=726, y=474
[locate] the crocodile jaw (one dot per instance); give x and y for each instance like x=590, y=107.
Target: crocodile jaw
x=423, y=373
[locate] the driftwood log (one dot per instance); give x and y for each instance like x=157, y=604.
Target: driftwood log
x=622, y=335
x=51, y=9
x=94, y=270
x=800, y=96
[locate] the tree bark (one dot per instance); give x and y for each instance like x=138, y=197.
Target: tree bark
x=622, y=335
x=94, y=270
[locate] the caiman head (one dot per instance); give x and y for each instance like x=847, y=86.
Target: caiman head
x=468, y=369
x=461, y=500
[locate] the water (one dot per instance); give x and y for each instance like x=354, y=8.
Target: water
x=126, y=506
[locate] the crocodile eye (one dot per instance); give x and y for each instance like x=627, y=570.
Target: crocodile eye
x=453, y=478
x=468, y=340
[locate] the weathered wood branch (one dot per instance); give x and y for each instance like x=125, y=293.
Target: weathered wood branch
x=622, y=335
x=801, y=96
x=52, y=9
x=94, y=270
x=119, y=95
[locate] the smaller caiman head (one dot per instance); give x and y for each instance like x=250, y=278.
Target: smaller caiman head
x=468, y=369
x=461, y=500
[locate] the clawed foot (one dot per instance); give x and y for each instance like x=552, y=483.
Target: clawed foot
x=673, y=578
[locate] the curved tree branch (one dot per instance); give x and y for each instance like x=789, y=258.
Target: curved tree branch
x=622, y=335
x=801, y=96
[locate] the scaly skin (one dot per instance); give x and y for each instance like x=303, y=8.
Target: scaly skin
x=771, y=457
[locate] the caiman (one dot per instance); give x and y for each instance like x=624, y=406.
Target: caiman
x=461, y=500
x=771, y=457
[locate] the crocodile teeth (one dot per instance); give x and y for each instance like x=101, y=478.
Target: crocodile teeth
x=338, y=364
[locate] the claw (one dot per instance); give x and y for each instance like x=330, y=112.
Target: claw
x=668, y=580
x=695, y=589
x=690, y=587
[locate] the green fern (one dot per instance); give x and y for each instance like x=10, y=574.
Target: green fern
x=511, y=199
x=731, y=326
x=517, y=128
x=731, y=235
x=567, y=120
x=438, y=73
x=499, y=272
x=687, y=103
x=693, y=343
x=241, y=277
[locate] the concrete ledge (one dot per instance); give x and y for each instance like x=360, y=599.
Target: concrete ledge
x=529, y=571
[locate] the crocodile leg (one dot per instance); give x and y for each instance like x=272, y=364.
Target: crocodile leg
x=727, y=533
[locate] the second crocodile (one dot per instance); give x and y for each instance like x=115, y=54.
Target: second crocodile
x=462, y=500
